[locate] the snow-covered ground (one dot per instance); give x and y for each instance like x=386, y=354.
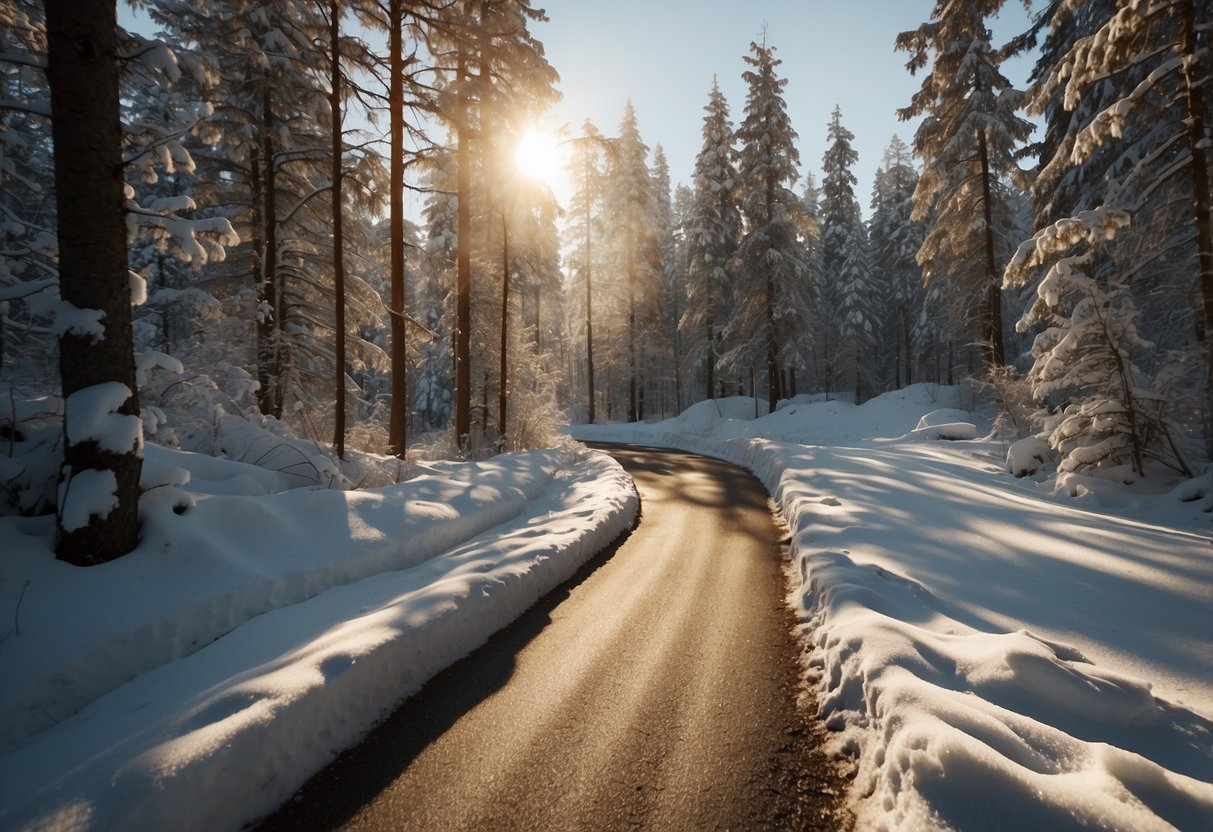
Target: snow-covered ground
x=263, y=629
x=991, y=652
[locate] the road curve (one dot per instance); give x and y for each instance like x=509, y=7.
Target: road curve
x=657, y=689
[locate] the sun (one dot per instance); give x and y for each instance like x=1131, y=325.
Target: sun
x=538, y=156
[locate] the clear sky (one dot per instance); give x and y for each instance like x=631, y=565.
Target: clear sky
x=662, y=53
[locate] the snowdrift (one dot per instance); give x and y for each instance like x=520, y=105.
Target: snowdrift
x=265, y=634
x=988, y=653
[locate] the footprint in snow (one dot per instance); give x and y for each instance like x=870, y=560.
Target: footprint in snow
x=831, y=501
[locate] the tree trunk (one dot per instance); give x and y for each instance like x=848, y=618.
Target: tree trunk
x=503, y=370
x=1197, y=141
x=463, y=285
x=994, y=351
x=269, y=329
x=338, y=231
x=631, y=326
x=589, y=297
x=710, y=361
x=82, y=70
x=397, y=417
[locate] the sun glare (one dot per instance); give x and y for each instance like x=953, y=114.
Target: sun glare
x=537, y=157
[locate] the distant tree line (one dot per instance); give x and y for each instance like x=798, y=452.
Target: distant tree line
x=201, y=227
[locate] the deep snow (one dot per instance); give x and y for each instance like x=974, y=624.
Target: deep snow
x=250, y=639
x=990, y=652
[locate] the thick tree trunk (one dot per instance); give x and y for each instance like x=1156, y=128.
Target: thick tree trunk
x=1197, y=142
x=710, y=361
x=398, y=416
x=338, y=231
x=98, y=516
x=463, y=285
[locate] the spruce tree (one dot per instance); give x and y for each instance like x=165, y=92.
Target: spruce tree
x=713, y=233
x=771, y=307
x=895, y=240
x=632, y=222
x=968, y=139
x=846, y=319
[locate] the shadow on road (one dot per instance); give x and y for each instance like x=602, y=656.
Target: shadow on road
x=334, y=796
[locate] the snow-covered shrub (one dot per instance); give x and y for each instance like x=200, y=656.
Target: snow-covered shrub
x=31, y=435
x=1088, y=355
x=1028, y=455
x=1011, y=392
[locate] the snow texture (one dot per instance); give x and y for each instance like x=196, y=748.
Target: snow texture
x=264, y=634
x=988, y=652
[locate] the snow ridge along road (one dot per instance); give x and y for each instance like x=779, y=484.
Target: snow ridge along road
x=657, y=689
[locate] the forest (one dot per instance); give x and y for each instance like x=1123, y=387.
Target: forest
x=207, y=228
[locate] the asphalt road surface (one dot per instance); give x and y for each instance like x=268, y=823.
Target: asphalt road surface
x=657, y=689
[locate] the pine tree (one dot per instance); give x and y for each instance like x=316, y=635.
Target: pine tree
x=631, y=224
x=846, y=318
x=664, y=350
x=771, y=307
x=967, y=140
x=896, y=239
x=1127, y=103
x=588, y=192
x=713, y=233
x=1088, y=354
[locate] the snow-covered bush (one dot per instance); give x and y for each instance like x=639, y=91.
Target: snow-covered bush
x=1087, y=357
x=31, y=433
x=1028, y=455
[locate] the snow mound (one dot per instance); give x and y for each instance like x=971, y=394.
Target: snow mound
x=283, y=694
x=1027, y=456
x=987, y=651
x=704, y=417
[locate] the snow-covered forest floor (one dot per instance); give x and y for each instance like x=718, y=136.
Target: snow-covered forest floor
x=251, y=638
x=990, y=652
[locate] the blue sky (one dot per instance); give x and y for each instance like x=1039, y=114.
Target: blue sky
x=662, y=53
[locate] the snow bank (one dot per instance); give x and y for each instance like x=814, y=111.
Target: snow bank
x=122, y=704
x=988, y=654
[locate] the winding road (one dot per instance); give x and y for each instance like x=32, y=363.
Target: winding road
x=657, y=689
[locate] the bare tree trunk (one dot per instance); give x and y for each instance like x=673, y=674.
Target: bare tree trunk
x=463, y=286
x=505, y=328
x=82, y=70
x=993, y=348
x=1197, y=141
x=631, y=326
x=338, y=231
x=397, y=417
x=589, y=295
x=269, y=325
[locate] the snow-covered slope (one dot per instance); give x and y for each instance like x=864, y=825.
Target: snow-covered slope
x=989, y=654
x=250, y=639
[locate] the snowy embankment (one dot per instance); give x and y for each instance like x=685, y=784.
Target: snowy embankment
x=197, y=682
x=989, y=652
